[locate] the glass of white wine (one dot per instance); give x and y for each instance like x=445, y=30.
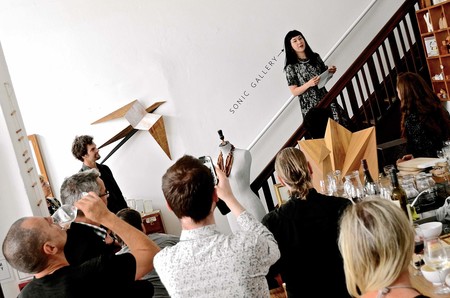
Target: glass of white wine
x=435, y=256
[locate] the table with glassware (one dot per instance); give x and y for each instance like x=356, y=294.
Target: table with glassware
x=421, y=188
x=426, y=183
x=424, y=286
x=421, y=283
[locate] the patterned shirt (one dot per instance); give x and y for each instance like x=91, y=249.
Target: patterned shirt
x=207, y=263
x=299, y=74
x=162, y=240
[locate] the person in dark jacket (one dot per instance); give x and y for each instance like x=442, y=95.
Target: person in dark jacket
x=306, y=229
x=85, y=150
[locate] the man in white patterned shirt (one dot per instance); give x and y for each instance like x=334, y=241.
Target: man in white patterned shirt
x=207, y=263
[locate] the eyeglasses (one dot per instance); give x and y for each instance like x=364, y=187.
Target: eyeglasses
x=105, y=194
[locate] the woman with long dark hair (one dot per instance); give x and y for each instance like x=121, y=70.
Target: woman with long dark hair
x=425, y=123
x=303, y=67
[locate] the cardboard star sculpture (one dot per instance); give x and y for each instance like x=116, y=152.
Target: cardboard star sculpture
x=139, y=119
x=340, y=149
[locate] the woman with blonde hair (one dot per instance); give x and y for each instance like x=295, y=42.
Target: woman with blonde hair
x=376, y=241
x=306, y=230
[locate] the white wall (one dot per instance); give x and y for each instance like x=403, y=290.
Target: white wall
x=72, y=62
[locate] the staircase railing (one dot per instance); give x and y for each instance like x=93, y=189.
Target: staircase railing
x=367, y=90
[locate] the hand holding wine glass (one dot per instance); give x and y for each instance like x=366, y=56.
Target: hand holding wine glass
x=435, y=256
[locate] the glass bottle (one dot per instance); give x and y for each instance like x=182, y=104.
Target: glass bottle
x=398, y=194
x=370, y=187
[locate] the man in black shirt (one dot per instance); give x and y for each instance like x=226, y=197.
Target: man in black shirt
x=85, y=150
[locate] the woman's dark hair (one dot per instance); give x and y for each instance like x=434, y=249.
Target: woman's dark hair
x=291, y=55
x=79, y=146
x=132, y=217
x=418, y=97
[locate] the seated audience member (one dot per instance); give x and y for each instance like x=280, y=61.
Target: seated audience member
x=52, y=203
x=377, y=242
x=85, y=239
x=425, y=123
x=207, y=263
x=306, y=229
x=134, y=218
x=35, y=245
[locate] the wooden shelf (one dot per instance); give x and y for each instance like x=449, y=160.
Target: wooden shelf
x=438, y=65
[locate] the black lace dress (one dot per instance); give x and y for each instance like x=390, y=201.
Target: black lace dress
x=300, y=73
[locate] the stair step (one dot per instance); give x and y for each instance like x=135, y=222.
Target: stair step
x=372, y=122
x=393, y=99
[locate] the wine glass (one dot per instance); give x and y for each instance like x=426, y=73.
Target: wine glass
x=435, y=256
x=64, y=216
x=353, y=187
x=324, y=187
x=418, y=249
x=335, y=183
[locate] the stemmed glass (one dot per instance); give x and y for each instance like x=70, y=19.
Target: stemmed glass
x=353, y=187
x=418, y=249
x=435, y=256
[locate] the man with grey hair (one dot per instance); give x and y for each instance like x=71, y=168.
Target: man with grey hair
x=85, y=238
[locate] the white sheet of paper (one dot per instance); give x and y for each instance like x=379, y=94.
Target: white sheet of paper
x=324, y=78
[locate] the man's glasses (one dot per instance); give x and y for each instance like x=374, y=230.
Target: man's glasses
x=105, y=194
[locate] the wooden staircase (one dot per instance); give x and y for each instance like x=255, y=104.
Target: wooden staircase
x=367, y=90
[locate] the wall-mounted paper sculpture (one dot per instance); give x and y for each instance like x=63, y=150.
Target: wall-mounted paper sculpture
x=139, y=119
x=340, y=150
